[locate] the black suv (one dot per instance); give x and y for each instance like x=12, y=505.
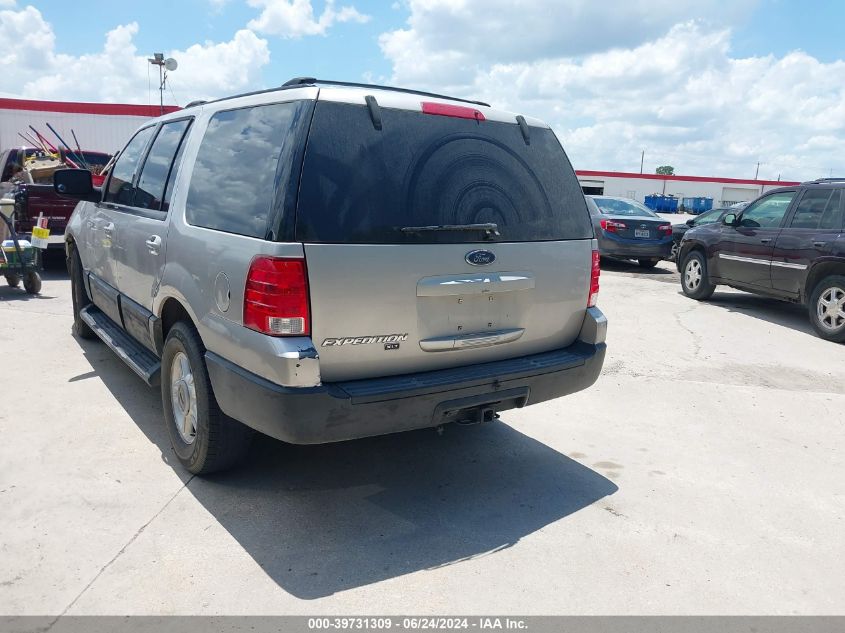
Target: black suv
x=787, y=244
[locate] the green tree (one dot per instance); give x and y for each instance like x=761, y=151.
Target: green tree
x=665, y=170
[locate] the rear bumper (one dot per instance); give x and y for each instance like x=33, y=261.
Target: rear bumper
x=621, y=247
x=340, y=411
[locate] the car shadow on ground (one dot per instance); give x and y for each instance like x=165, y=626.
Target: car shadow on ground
x=782, y=313
x=631, y=266
x=323, y=519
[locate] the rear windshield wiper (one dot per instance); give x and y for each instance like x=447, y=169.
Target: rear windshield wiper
x=490, y=229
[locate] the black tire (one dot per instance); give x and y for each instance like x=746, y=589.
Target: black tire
x=13, y=280
x=218, y=442
x=648, y=263
x=32, y=282
x=825, y=321
x=696, y=285
x=79, y=297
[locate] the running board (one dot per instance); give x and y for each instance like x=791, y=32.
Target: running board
x=140, y=360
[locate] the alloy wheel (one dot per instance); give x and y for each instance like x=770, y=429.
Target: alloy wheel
x=830, y=308
x=183, y=397
x=693, y=274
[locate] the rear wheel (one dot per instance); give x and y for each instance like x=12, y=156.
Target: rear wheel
x=827, y=308
x=694, y=280
x=32, y=282
x=79, y=297
x=204, y=439
x=13, y=280
x=648, y=263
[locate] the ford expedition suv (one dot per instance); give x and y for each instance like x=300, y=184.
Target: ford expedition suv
x=787, y=244
x=327, y=261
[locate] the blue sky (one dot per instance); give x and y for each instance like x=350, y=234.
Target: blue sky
x=348, y=52
x=351, y=51
x=706, y=85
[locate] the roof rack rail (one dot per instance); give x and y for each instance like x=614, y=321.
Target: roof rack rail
x=820, y=180
x=313, y=81
x=198, y=102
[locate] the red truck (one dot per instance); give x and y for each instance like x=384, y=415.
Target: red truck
x=32, y=199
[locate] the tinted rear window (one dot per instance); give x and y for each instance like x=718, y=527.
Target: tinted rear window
x=244, y=165
x=362, y=185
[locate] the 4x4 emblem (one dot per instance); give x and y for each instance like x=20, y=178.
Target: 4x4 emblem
x=480, y=258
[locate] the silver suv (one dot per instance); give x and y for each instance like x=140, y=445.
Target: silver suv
x=326, y=261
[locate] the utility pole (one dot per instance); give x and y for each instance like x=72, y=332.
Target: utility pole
x=163, y=66
x=756, y=173
x=642, y=158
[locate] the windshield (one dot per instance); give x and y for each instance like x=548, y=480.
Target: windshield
x=615, y=206
x=709, y=216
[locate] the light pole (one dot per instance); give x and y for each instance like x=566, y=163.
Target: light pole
x=164, y=65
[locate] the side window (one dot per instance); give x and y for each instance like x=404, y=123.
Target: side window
x=150, y=192
x=832, y=216
x=768, y=212
x=234, y=178
x=814, y=204
x=120, y=189
x=174, y=170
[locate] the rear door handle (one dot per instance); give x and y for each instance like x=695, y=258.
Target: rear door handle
x=819, y=244
x=153, y=244
x=765, y=240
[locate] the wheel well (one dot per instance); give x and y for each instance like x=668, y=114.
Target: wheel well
x=819, y=272
x=693, y=248
x=171, y=313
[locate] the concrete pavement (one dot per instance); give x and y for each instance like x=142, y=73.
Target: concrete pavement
x=703, y=473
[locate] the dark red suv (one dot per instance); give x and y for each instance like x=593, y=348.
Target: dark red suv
x=787, y=244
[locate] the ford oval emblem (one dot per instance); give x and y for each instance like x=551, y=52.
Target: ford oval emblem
x=480, y=258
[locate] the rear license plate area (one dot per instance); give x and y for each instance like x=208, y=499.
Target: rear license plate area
x=642, y=233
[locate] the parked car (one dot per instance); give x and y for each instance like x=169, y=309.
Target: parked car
x=38, y=198
x=787, y=244
x=627, y=229
x=679, y=230
x=426, y=260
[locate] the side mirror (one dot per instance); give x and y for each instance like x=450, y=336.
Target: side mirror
x=729, y=219
x=691, y=222
x=75, y=183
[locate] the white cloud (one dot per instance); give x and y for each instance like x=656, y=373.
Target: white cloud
x=634, y=78
x=295, y=18
x=32, y=68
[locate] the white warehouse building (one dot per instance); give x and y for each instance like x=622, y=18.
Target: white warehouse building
x=723, y=191
x=100, y=127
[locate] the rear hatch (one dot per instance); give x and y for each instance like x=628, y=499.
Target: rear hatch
x=392, y=295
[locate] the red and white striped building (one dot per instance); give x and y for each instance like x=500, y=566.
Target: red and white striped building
x=724, y=191
x=101, y=127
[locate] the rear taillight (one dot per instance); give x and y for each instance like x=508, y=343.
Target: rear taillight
x=446, y=109
x=276, y=297
x=594, y=280
x=612, y=227
x=666, y=229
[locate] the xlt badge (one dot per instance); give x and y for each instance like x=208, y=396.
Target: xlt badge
x=387, y=339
